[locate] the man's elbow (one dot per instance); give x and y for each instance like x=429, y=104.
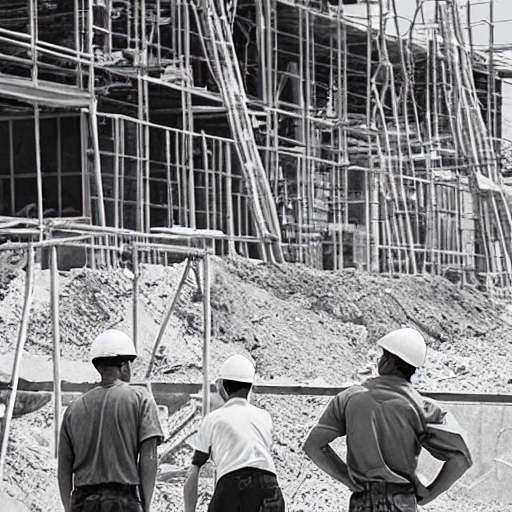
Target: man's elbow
x=310, y=447
x=460, y=463
x=465, y=461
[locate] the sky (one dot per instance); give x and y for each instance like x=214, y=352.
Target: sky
x=480, y=26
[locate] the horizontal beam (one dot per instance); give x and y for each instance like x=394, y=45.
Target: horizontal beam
x=161, y=388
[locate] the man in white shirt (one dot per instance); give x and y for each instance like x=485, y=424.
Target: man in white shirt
x=237, y=437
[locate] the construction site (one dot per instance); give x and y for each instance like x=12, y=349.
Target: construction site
x=290, y=180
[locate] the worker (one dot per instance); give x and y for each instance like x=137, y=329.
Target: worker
x=386, y=422
x=107, y=457
x=237, y=437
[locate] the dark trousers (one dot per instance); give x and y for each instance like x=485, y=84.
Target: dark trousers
x=247, y=490
x=384, y=497
x=106, y=498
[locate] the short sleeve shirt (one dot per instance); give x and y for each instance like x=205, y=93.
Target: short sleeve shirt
x=104, y=430
x=238, y=435
x=386, y=423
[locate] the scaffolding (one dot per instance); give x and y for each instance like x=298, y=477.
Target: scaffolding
x=103, y=247
x=327, y=133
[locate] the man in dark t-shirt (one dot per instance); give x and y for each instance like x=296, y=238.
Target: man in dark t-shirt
x=107, y=449
x=386, y=423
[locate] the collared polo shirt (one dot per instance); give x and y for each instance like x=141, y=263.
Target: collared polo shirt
x=386, y=423
x=104, y=429
x=237, y=435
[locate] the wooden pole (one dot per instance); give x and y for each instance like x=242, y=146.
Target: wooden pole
x=135, y=255
x=207, y=332
x=121, y=171
x=168, y=316
x=229, y=200
x=22, y=336
x=170, y=202
x=59, y=167
x=11, y=168
x=206, y=164
x=37, y=136
x=54, y=276
x=77, y=40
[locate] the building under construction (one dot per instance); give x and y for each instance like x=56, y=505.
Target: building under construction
x=301, y=130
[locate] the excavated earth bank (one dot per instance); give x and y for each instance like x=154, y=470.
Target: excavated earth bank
x=299, y=325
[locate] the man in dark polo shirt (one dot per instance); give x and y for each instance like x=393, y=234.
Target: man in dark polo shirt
x=107, y=450
x=386, y=423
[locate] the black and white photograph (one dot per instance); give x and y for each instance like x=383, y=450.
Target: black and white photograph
x=256, y=257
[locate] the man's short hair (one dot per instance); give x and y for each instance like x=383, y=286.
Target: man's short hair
x=403, y=367
x=232, y=386
x=110, y=362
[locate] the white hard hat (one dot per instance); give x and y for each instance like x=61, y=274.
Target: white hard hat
x=406, y=343
x=112, y=343
x=238, y=368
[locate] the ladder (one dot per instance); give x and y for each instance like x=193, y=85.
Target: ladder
x=219, y=50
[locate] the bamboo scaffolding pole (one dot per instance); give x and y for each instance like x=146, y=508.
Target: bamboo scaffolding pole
x=39, y=174
x=117, y=142
x=221, y=52
x=178, y=131
x=93, y=118
x=310, y=136
x=122, y=171
x=146, y=155
x=207, y=334
x=167, y=316
x=135, y=287
x=170, y=200
x=260, y=44
x=218, y=154
x=78, y=47
x=343, y=108
x=408, y=235
x=371, y=219
x=189, y=125
x=229, y=200
x=505, y=246
x=12, y=183
x=97, y=163
x=22, y=336
x=491, y=83
x=139, y=152
x=33, y=38
x=269, y=47
x=206, y=177
x=84, y=164
x=25, y=41
x=458, y=229
x=158, y=36
x=54, y=290
x=181, y=206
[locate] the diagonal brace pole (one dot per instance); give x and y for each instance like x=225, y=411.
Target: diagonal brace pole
x=168, y=316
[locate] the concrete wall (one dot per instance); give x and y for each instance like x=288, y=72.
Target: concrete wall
x=489, y=435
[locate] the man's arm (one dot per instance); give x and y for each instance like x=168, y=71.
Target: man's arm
x=450, y=472
x=148, y=465
x=318, y=450
x=190, y=488
x=65, y=473
x=445, y=441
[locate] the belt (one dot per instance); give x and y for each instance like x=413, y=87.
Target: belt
x=377, y=487
x=124, y=489
x=251, y=478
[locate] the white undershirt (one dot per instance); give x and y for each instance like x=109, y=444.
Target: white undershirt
x=238, y=435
